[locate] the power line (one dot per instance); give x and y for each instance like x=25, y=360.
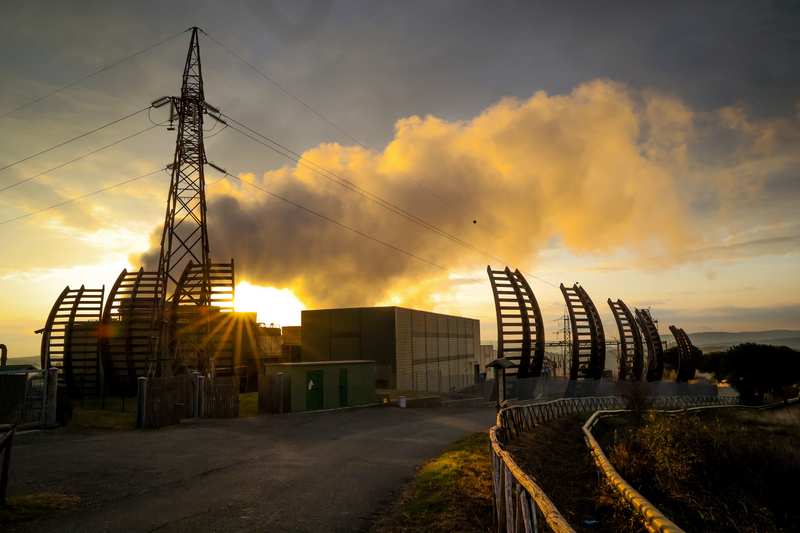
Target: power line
x=301, y=161
x=91, y=75
x=80, y=197
x=379, y=156
x=74, y=139
x=332, y=221
x=77, y=158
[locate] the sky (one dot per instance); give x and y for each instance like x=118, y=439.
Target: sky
x=649, y=152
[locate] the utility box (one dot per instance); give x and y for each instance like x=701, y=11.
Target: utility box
x=327, y=384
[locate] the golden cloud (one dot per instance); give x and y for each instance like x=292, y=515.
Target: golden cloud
x=600, y=168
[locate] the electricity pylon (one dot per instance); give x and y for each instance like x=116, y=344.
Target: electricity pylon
x=185, y=234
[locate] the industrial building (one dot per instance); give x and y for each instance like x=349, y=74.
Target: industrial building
x=412, y=350
x=324, y=385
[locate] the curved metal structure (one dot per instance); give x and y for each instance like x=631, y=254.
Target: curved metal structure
x=687, y=365
x=131, y=326
x=655, y=351
x=631, y=354
x=193, y=321
x=70, y=339
x=520, y=329
x=588, y=337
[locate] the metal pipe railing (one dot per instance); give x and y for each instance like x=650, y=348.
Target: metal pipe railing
x=518, y=499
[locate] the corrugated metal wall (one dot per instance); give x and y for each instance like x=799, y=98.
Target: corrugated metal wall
x=404, y=348
x=419, y=350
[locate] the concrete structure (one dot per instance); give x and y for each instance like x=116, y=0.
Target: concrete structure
x=412, y=350
x=291, y=344
x=326, y=385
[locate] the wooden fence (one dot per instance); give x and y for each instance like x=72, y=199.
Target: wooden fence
x=222, y=398
x=168, y=400
x=185, y=395
x=274, y=396
x=520, y=504
x=161, y=405
x=6, y=443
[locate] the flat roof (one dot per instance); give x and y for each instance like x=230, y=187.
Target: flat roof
x=384, y=307
x=318, y=363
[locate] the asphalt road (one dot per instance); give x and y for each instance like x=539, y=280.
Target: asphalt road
x=324, y=472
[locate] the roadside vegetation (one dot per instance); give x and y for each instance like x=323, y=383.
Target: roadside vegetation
x=713, y=471
x=452, y=493
x=555, y=455
x=23, y=509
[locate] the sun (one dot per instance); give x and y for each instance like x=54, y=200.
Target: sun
x=274, y=306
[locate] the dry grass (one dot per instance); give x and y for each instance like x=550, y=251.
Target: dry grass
x=555, y=456
x=722, y=470
x=29, y=508
x=452, y=493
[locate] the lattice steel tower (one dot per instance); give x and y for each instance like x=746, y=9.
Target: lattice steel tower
x=185, y=235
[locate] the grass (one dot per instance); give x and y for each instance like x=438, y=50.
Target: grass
x=452, y=493
x=93, y=413
x=248, y=404
x=554, y=454
x=33, y=507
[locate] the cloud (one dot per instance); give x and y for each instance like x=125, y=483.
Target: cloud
x=599, y=168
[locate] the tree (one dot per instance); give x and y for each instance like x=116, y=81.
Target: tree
x=709, y=363
x=754, y=370
x=672, y=358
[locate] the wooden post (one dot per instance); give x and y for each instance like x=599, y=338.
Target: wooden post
x=52, y=394
x=195, y=393
x=6, y=442
x=201, y=395
x=141, y=416
x=280, y=393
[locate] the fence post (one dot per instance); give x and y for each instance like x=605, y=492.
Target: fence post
x=195, y=393
x=201, y=395
x=52, y=393
x=7, y=444
x=280, y=393
x=141, y=415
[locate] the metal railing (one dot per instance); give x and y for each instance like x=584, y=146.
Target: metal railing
x=23, y=398
x=519, y=501
x=653, y=519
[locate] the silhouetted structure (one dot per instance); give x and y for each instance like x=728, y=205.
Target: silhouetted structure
x=588, y=338
x=70, y=339
x=520, y=330
x=630, y=357
x=655, y=351
x=159, y=323
x=687, y=364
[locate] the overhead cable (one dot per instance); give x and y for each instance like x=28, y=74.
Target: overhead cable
x=301, y=161
x=370, y=237
x=73, y=139
x=378, y=155
x=81, y=197
x=77, y=158
x=91, y=75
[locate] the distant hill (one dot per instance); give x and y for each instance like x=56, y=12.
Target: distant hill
x=30, y=360
x=723, y=340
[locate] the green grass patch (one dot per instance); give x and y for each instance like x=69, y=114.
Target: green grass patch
x=248, y=404
x=452, y=493
x=29, y=508
x=108, y=414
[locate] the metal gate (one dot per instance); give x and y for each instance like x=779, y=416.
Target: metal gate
x=23, y=397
